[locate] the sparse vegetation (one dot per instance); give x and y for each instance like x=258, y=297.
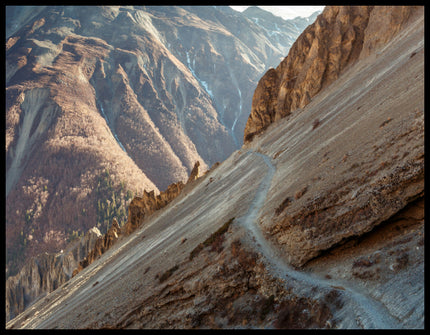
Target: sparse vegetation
x=302, y=313
x=74, y=235
x=401, y=261
x=283, y=205
x=316, y=123
x=362, y=262
x=267, y=307
x=167, y=274
x=215, y=240
x=112, y=202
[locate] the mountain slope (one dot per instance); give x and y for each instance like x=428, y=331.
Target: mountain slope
x=326, y=48
x=140, y=93
x=346, y=190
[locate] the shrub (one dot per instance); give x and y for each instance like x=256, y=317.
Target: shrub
x=282, y=206
x=215, y=240
x=316, y=123
x=167, y=274
x=300, y=193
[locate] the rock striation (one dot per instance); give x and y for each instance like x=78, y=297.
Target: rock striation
x=140, y=207
x=102, y=244
x=339, y=36
x=45, y=273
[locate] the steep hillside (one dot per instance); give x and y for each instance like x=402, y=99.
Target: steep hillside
x=45, y=273
x=336, y=39
x=318, y=222
x=105, y=102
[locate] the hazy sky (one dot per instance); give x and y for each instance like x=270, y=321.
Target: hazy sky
x=286, y=12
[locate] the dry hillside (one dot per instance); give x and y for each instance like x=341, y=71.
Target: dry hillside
x=318, y=222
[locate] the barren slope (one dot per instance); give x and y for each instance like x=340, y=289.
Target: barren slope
x=297, y=190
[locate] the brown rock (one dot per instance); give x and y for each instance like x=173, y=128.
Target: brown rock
x=338, y=37
x=102, y=244
x=44, y=273
x=194, y=172
x=139, y=208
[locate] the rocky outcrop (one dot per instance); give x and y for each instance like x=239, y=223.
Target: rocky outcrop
x=140, y=207
x=333, y=217
x=194, y=173
x=45, y=273
x=138, y=210
x=338, y=37
x=102, y=244
x=354, y=159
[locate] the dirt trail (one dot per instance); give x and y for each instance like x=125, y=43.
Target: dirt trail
x=359, y=311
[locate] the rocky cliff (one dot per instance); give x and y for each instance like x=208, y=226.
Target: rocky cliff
x=139, y=209
x=338, y=37
x=45, y=273
x=140, y=92
x=372, y=181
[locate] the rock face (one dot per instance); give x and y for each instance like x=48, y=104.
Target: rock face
x=338, y=37
x=138, y=210
x=45, y=273
x=143, y=92
x=194, y=173
x=102, y=244
x=345, y=189
x=140, y=207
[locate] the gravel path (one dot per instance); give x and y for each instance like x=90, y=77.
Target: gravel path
x=359, y=311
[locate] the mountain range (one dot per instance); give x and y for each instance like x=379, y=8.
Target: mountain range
x=316, y=221
x=104, y=102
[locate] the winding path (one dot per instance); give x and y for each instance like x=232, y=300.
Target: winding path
x=366, y=312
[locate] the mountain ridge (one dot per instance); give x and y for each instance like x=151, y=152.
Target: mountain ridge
x=331, y=44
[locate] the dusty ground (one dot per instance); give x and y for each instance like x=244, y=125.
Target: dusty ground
x=371, y=115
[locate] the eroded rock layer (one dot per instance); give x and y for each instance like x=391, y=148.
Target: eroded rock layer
x=45, y=273
x=138, y=210
x=355, y=155
x=338, y=37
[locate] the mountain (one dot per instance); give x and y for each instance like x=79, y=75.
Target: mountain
x=318, y=57
x=104, y=102
x=317, y=221
x=277, y=29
